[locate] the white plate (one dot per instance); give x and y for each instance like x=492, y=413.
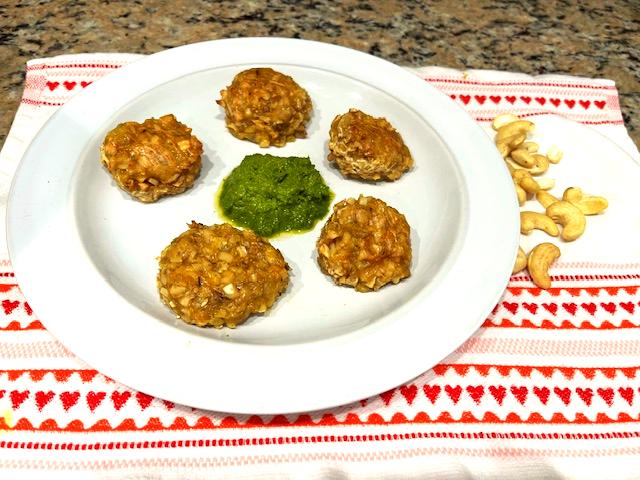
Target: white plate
x=85, y=253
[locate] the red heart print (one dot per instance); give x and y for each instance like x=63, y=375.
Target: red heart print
x=552, y=308
x=69, y=399
x=555, y=101
x=143, y=399
x=2, y=392
x=465, y=98
x=584, y=103
x=586, y=394
x=542, y=393
x=69, y=85
x=520, y=393
x=526, y=100
x=563, y=393
x=627, y=394
x=409, y=393
x=609, y=307
x=17, y=398
x=387, y=396
x=9, y=306
x=42, y=398
x=541, y=100
x=453, y=96
x=453, y=392
x=599, y=103
x=606, y=394
x=628, y=306
x=94, y=399
x=511, y=99
x=475, y=392
x=531, y=307
x=570, y=308
x=27, y=308
x=498, y=393
x=480, y=99
x=363, y=402
x=589, y=307
x=53, y=85
x=168, y=404
x=495, y=98
x=512, y=307
x=432, y=392
x=120, y=398
x=570, y=103
x=84, y=84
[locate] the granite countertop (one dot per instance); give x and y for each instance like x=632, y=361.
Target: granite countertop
x=587, y=38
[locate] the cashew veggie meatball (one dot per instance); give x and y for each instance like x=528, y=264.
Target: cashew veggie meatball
x=365, y=244
x=265, y=107
x=219, y=275
x=152, y=159
x=368, y=148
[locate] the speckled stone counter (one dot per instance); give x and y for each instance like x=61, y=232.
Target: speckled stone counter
x=587, y=38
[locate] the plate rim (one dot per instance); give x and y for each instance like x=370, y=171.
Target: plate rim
x=276, y=403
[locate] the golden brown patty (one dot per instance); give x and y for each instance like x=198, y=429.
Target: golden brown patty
x=367, y=147
x=219, y=275
x=265, y=107
x=152, y=159
x=365, y=244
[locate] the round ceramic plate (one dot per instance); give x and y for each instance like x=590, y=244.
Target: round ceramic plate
x=74, y=234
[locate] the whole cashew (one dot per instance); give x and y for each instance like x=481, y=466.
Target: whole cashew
x=541, y=164
x=545, y=198
x=540, y=258
x=539, y=221
x=522, y=157
x=570, y=217
x=521, y=261
x=507, y=144
x=504, y=119
x=546, y=183
x=554, y=154
x=512, y=128
x=588, y=204
x=522, y=195
x=523, y=178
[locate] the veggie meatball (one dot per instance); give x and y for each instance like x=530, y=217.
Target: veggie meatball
x=152, y=159
x=368, y=148
x=365, y=244
x=219, y=275
x=265, y=107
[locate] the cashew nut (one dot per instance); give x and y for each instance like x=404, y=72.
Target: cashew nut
x=531, y=147
x=523, y=178
x=522, y=157
x=513, y=128
x=539, y=261
x=545, y=198
x=554, y=154
x=539, y=221
x=546, y=183
x=541, y=164
x=507, y=144
x=504, y=119
x=521, y=261
x=570, y=217
x=522, y=195
x=588, y=204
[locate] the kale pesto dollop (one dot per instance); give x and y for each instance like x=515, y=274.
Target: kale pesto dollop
x=270, y=194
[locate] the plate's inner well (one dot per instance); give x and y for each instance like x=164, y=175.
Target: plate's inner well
x=123, y=237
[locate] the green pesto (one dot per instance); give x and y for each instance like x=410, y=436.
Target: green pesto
x=271, y=195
